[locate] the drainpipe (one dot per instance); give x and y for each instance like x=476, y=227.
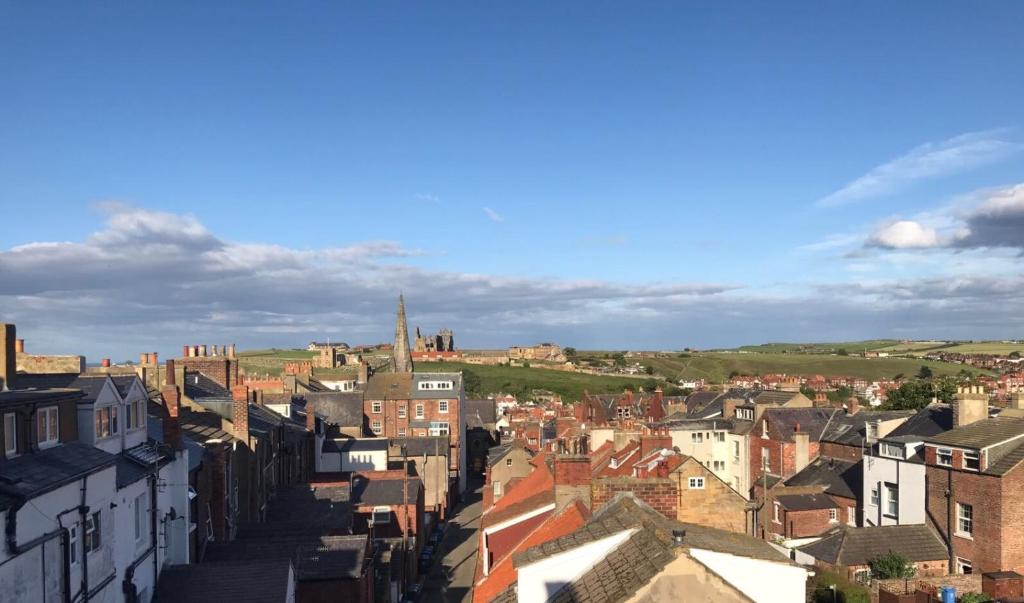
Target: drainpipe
x=83, y=511
x=949, y=519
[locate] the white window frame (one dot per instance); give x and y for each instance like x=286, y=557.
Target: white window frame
x=851, y=516
x=964, y=519
x=695, y=483
x=974, y=456
x=375, y=426
x=376, y=407
x=833, y=515
x=508, y=462
x=439, y=428
x=136, y=415
x=718, y=465
x=401, y=432
x=73, y=544
x=108, y=412
x=442, y=406
x=419, y=411
x=719, y=436
x=402, y=410
x=776, y=508
x=48, y=424
x=964, y=566
x=892, y=496
x=892, y=451
x=376, y=513
x=697, y=437
x=93, y=532
x=140, y=516
x=944, y=452
x=876, y=498
x=10, y=435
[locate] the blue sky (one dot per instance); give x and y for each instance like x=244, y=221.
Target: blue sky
x=600, y=174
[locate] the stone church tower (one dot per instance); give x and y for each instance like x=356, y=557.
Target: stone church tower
x=401, y=360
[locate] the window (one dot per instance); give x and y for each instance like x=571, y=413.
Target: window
x=73, y=544
x=381, y=515
x=209, y=524
x=425, y=385
x=419, y=411
x=401, y=411
x=497, y=490
x=944, y=456
x=719, y=465
x=401, y=432
x=851, y=516
x=875, y=501
x=777, y=513
x=696, y=483
x=964, y=520
x=972, y=461
x=964, y=566
x=106, y=422
x=719, y=436
x=863, y=576
x=764, y=428
x=622, y=412
x=442, y=406
x=892, y=500
x=438, y=428
x=893, y=451
x=698, y=438
x=375, y=426
x=136, y=414
x=140, y=516
x=508, y=462
x=833, y=515
x=736, y=450
x=745, y=413
x=375, y=406
x=46, y=426
x=10, y=435
x=92, y=532
x=766, y=457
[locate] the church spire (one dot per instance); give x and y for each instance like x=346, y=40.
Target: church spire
x=402, y=359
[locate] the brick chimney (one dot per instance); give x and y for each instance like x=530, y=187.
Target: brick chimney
x=185, y=351
x=105, y=363
x=970, y=405
x=8, y=356
x=654, y=441
x=231, y=351
x=170, y=378
x=311, y=417
x=172, y=428
x=852, y=405
x=572, y=480
x=364, y=371
x=143, y=358
x=729, y=408
x=153, y=359
x=19, y=346
x=240, y=414
x=801, y=452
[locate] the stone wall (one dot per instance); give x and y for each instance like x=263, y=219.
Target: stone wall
x=33, y=363
x=716, y=504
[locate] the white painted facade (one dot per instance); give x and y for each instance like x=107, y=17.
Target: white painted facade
x=339, y=385
x=762, y=581
x=725, y=454
x=886, y=472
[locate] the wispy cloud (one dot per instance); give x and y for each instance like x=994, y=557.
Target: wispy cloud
x=493, y=215
x=927, y=161
x=426, y=197
x=604, y=240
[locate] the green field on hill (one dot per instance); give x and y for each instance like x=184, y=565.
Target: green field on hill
x=716, y=367
x=521, y=381
x=853, y=347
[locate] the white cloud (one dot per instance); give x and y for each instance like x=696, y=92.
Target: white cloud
x=427, y=197
x=925, y=162
x=904, y=234
x=493, y=215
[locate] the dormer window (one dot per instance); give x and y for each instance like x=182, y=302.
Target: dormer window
x=893, y=451
x=430, y=385
x=106, y=422
x=622, y=412
x=972, y=461
x=136, y=414
x=47, y=426
x=944, y=457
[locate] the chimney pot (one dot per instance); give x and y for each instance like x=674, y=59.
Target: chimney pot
x=202, y=350
x=152, y=358
x=105, y=363
x=144, y=358
x=19, y=346
x=184, y=351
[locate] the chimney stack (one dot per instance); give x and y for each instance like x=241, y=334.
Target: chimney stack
x=202, y=350
x=652, y=442
x=364, y=371
x=969, y=406
x=801, y=454
x=172, y=400
x=572, y=480
x=143, y=358
x=240, y=413
x=8, y=356
x=152, y=358
x=184, y=351
x=311, y=417
x=231, y=351
x=729, y=408
x=105, y=363
x=852, y=405
x=19, y=346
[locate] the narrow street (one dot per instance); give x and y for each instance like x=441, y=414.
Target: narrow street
x=459, y=548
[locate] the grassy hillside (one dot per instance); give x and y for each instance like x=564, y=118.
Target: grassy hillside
x=818, y=348
x=520, y=380
x=716, y=367
x=270, y=361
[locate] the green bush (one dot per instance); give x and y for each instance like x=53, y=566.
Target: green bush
x=891, y=565
x=974, y=598
x=845, y=592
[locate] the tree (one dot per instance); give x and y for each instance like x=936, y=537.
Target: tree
x=842, y=352
x=924, y=372
x=891, y=565
x=619, y=359
x=1014, y=354
x=912, y=395
x=649, y=369
x=570, y=353
x=472, y=384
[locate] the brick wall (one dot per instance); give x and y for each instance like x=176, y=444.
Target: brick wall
x=839, y=451
x=985, y=495
x=800, y=524
x=661, y=494
x=222, y=370
x=1012, y=515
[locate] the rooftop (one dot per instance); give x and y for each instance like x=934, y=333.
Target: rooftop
x=259, y=581
x=981, y=434
x=857, y=546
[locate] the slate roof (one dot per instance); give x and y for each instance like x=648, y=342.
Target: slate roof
x=929, y=421
x=424, y=445
x=123, y=383
x=850, y=430
x=496, y=453
x=839, y=477
x=981, y=434
x=264, y=581
x=344, y=409
x=333, y=558
x=857, y=546
x=356, y=445
x=20, y=396
x=430, y=394
x=198, y=385
x=91, y=385
x=389, y=386
x=37, y=473
x=782, y=422
x=805, y=502
x=634, y=563
x=381, y=492
x=1008, y=459
x=485, y=410
x=201, y=426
